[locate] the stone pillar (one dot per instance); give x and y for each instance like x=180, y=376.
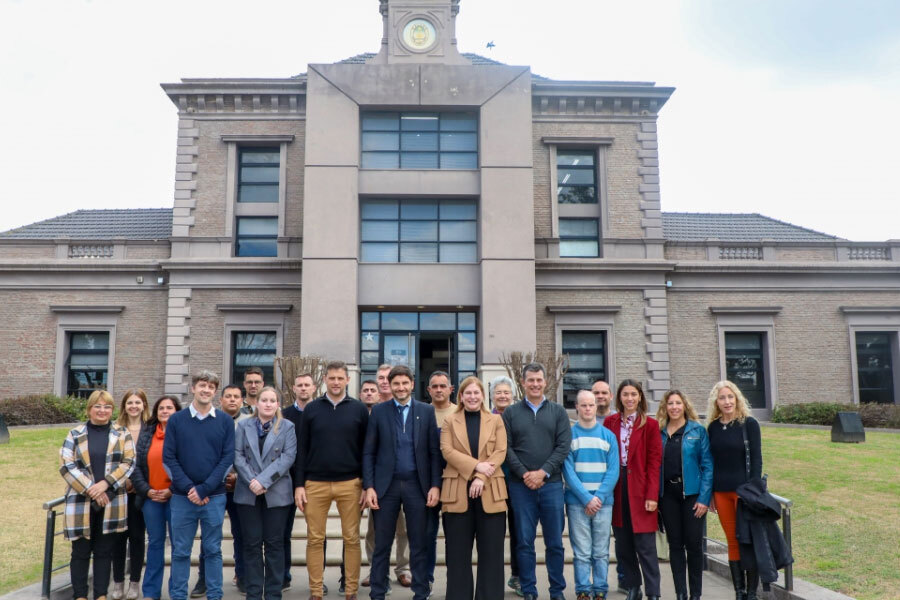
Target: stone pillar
x=178, y=336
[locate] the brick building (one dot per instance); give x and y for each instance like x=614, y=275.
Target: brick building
x=422, y=206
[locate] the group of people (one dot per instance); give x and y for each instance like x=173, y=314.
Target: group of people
x=164, y=470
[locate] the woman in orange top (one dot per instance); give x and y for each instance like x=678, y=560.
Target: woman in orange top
x=152, y=486
x=473, y=442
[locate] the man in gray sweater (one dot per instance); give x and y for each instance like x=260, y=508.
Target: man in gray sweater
x=538, y=437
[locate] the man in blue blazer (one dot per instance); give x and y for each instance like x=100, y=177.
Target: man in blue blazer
x=401, y=467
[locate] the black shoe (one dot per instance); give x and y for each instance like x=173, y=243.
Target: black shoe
x=324, y=589
x=737, y=579
x=342, y=589
x=634, y=594
x=557, y=598
x=199, y=590
x=752, y=584
x=286, y=585
x=240, y=586
x=681, y=596
x=530, y=597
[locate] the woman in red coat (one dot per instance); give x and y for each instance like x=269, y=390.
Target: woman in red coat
x=637, y=492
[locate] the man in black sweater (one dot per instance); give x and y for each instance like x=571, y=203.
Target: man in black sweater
x=538, y=437
x=328, y=469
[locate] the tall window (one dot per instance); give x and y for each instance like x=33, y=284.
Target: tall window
x=419, y=140
x=87, y=366
x=420, y=230
x=576, y=174
x=745, y=365
x=579, y=238
x=256, y=236
x=587, y=362
x=253, y=349
x=875, y=367
x=258, y=174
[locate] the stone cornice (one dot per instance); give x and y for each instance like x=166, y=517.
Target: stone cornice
x=556, y=309
x=756, y=266
x=86, y=308
x=870, y=310
x=232, y=264
x=745, y=310
x=575, y=140
x=262, y=137
x=247, y=98
x=596, y=99
x=254, y=307
x=601, y=264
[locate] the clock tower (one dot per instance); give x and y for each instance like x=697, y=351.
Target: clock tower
x=419, y=31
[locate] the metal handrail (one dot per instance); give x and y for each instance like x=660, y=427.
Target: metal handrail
x=786, y=505
x=49, y=534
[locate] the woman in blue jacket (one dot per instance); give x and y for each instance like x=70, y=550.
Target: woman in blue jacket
x=685, y=489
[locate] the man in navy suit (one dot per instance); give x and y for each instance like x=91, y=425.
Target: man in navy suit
x=401, y=467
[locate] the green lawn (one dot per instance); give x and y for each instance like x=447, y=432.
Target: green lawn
x=846, y=514
x=846, y=517
x=29, y=477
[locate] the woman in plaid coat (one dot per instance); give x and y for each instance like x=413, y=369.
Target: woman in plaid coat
x=96, y=459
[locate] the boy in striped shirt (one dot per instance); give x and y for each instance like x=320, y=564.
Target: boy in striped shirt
x=591, y=471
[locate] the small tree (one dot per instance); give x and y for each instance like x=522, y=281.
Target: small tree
x=556, y=365
x=291, y=366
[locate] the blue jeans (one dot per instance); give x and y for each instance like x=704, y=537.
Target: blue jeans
x=590, y=544
x=545, y=505
x=157, y=518
x=185, y=517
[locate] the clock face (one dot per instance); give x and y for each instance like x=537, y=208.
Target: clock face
x=419, y=34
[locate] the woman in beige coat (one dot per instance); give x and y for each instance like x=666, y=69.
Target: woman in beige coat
x=473, y=442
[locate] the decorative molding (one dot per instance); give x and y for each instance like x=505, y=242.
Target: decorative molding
x=740, y=253
x=610, y=309
x=870, y=310
x=745, y=310
x=254, y=138
x=575, y=140
x=868, y=253
x=650, y=207
x=254, y=307
x=86, y=308
x=90, y=251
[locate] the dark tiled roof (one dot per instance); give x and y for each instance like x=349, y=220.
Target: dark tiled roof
x=130, y=223
x=735, y=227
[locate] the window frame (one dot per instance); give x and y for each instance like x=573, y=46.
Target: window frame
x=604, y=353
x=595, y=238
x=893, y=353
x=254, y=149
x=868, y=319
x=596, y=210
x=252, y=318
x=399, y=242
x=238, y=237
x=592, y=168
x=400, y=149
x=232, y=370
x=83, y=319
x=751, y=319
x=586, y=318
x=234, y=208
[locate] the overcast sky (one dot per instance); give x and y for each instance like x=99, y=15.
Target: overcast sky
x=788, y=108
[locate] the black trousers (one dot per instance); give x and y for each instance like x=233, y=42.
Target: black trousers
x=488, y=531
x=634, y=549
x=101, y=547
x=262, y=529
x=685, y=534
x=408, y=495
x=130, y=544
x=513, y=541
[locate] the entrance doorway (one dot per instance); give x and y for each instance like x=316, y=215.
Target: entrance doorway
x=423, y=341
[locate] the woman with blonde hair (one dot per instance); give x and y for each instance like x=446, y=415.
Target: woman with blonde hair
x=473, y=442
x=636, y=495
x=96, y=458
x=735, y=444
x=685, y=489
x=133, y=414
x=265, y=446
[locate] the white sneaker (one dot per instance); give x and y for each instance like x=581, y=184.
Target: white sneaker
x=133, y=591
x=118, y=590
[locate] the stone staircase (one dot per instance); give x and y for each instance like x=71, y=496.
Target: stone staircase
x=335, y=544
